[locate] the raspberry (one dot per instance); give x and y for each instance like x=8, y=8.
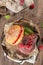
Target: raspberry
x=31, y=6
x=21, y=2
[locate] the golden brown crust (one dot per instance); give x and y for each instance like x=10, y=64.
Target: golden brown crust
x=13, y=33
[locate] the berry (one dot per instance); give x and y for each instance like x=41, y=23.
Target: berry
x=21, y=2
x=40, y=47
x=31, y=6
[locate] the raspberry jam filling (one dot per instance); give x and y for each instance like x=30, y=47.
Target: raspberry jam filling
x=27, y=44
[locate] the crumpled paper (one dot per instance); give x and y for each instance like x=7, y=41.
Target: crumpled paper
x=15, y=6
x=32, y=60
x=32, y=56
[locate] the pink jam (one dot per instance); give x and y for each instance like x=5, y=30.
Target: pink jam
x=28, y=44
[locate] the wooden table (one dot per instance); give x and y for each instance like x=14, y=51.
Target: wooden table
x=26, y=14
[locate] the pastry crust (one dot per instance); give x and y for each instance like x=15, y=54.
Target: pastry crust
x=14, y=34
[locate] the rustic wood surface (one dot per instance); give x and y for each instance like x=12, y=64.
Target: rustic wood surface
x=25, y=14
